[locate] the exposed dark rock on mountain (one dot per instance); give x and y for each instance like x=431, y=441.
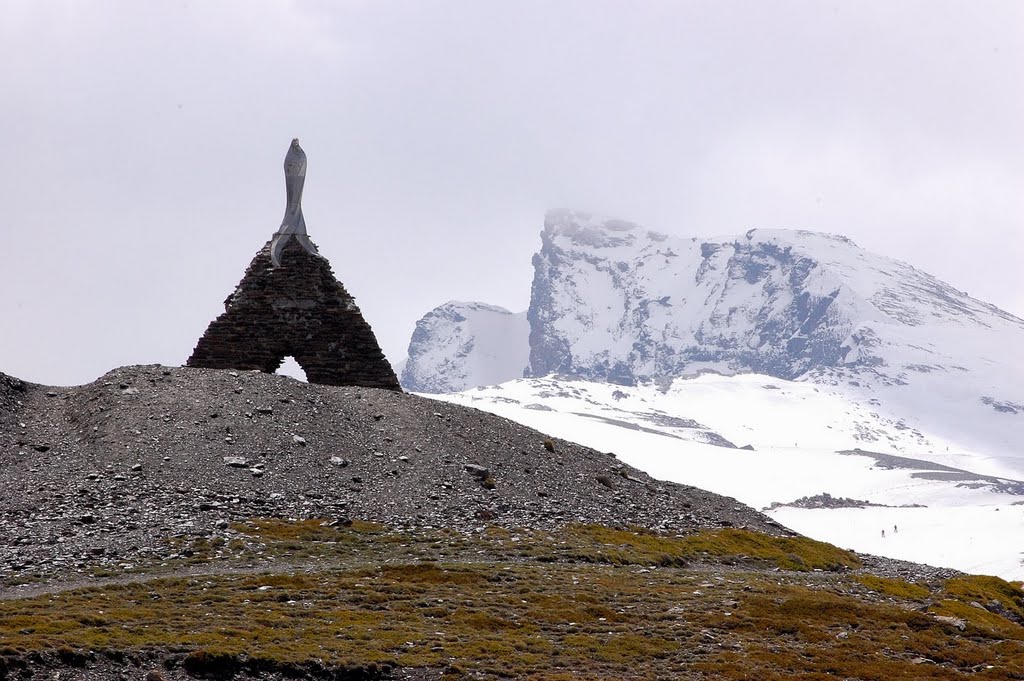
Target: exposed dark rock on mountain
x=826, y=500
x=298, y=310
x=929, y=470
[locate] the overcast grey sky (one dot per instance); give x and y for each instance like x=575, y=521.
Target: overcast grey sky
x=143, y=144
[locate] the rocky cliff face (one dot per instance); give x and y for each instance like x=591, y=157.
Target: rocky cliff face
x=615, y=302
x=460, y=345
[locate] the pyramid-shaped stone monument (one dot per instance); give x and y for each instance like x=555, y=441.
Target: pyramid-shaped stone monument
x=289, y=304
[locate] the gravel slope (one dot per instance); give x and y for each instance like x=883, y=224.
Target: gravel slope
x=101, y=475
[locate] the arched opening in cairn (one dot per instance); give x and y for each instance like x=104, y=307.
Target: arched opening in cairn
x=290, y=367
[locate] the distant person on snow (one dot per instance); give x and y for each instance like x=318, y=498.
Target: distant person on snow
x=883, y=534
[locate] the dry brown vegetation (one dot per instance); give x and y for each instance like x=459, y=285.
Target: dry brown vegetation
x=588, y=602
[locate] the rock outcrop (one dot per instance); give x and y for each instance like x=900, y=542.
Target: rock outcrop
x=298, y=310
x=460, y=345
x=10, y=391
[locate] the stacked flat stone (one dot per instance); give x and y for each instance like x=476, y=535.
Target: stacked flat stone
x=300, y=310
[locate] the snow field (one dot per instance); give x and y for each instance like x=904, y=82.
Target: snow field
x=796, y=430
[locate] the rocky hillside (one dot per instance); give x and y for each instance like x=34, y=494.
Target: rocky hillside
x=460, y=345
x=173, y=523
x=101, y=474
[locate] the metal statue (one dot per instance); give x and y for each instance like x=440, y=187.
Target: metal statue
x=293, y=225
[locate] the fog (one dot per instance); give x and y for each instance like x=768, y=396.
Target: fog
x=144, y=143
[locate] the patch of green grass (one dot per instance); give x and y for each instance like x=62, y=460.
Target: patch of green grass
x=816, y=634
x=602, y=544
x=986, y=603
x=894, y=587
x=575, y=543
x=309, y=530
x=984, y=589
x=514, y=620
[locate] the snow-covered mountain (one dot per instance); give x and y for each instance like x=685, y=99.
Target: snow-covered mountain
x=614, y=302
x=460, y=345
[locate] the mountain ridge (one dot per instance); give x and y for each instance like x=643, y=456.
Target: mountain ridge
x=612, y=301
x=770, y=301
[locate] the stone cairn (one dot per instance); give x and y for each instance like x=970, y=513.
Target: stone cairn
x=289, y=304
